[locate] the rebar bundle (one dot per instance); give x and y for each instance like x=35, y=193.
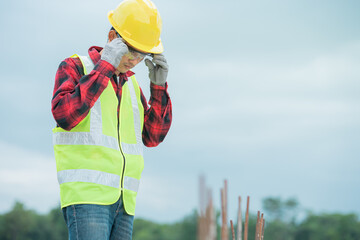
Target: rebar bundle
x=207, y=222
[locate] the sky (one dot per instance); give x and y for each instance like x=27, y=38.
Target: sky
x=265, y=94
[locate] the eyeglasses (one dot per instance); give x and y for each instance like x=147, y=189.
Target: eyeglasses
x=133, y=53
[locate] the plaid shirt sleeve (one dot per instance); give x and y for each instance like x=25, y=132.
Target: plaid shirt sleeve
x=74, y=93
x=158, y=117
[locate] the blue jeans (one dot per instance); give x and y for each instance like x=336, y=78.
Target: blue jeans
x=98, y=222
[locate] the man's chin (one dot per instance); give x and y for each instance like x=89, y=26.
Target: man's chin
x=127, y=67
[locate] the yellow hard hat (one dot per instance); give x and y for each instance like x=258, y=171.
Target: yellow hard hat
x=139, y=24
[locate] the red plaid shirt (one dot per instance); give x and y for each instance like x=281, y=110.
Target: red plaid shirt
x=75, y=94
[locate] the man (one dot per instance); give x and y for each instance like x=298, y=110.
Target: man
x=102, y=121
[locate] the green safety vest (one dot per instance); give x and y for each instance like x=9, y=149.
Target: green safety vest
x=102, y=156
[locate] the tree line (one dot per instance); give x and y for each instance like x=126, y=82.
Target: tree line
x=282, y=223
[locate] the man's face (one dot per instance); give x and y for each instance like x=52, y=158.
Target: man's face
x=127, y=63
x=130, y=59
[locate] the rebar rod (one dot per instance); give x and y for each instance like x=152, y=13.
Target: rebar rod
x=257, y=234
x=261, y=226
x=212, y=227
x=224, y=228
x=246, y=219
x=232, y=230
x=239, y=221
x=223, y=223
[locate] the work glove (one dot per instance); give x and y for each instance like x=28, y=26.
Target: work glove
x=158, y=69
x=114, y=51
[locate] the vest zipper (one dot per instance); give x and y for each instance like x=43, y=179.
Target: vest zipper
x=118, y=129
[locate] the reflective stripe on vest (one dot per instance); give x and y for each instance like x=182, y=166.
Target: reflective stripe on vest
x=98, y=177
x=96, y=137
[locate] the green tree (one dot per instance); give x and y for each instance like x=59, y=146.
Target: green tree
x=279, y=210
x=24, y=224
x=279, y=230
x=56, y=224
x=329, y=227
x=147, y=230
x=187, y=228
x=20, y=223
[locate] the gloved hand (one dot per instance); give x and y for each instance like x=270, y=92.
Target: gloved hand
x=114, y=51
x=159, y=71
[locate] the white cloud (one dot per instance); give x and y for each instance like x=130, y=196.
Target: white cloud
x=277, y=74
